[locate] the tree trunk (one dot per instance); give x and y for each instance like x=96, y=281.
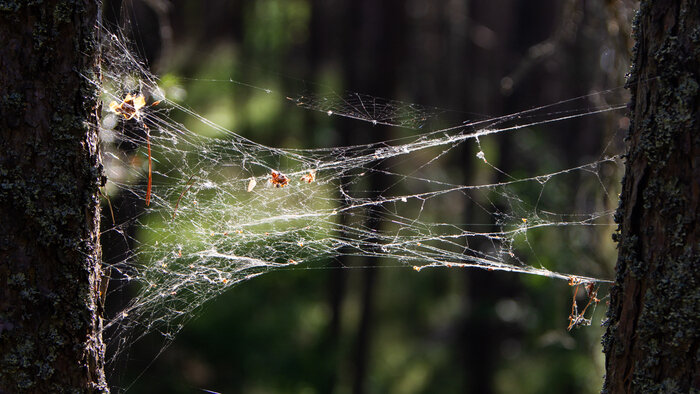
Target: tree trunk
x=653, y=325
x=50, y=171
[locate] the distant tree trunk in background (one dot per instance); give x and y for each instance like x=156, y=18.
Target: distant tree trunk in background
x=653, y=327
x=481, y=331
x=50, y=271
x=373, y=44
x=322, y=42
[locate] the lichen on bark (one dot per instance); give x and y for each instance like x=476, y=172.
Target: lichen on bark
x=50, y=317
x=652, y=337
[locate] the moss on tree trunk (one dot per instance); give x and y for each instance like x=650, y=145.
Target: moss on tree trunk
x=50, y=312
x=653, y=325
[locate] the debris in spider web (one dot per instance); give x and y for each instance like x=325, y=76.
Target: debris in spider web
x=226, y=231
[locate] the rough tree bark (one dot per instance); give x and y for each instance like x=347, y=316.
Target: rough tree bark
x=653, y=326
x=50, y=308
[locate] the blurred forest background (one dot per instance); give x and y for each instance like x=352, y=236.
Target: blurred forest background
x=390, y=330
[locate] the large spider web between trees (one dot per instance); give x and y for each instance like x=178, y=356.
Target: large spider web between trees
x=225, y=209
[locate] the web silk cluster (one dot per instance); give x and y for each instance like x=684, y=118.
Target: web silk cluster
x=224, y=210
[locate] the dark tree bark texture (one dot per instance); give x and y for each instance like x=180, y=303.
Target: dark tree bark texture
x=50, y=271
x=653, y=326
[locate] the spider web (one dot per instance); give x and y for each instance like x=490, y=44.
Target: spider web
x=216, y=217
